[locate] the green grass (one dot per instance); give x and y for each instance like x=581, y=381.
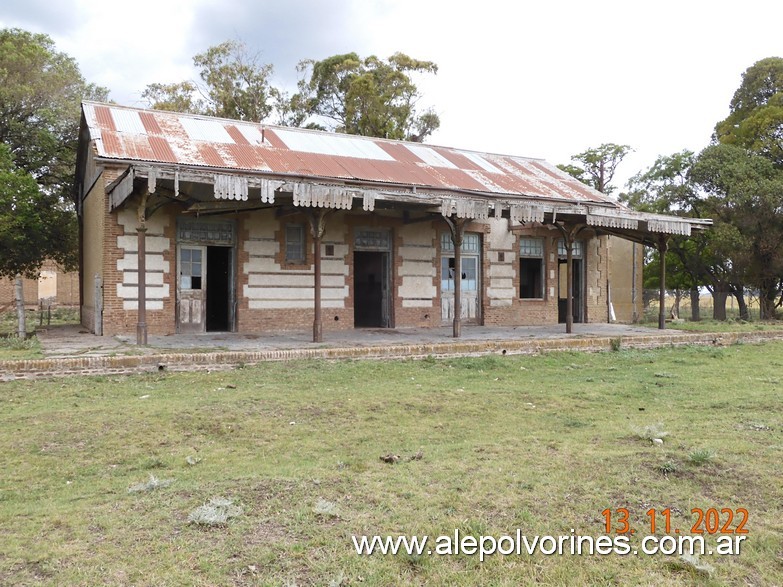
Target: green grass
x=38, y=319
x=14, y=348
x=710, y=325
x=486, y=445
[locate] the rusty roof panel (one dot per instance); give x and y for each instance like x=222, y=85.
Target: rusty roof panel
x=395, y=172
x=150, y=125
x=321, y=166
x=236, y=135
x=581, y=189
x=109, y=145
x=104, y=119
x=247, y=157
x=281, y=161
x=271, y=139
x=356, y=168
x=137, y=147
x=398, y=152
x=459, y=179
x=211, y=156
x=169, y=137
x=161, y=150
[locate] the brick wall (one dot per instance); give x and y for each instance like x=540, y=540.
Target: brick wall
x=275, y=295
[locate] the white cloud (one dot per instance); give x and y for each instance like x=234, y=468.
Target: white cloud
x=546, y=79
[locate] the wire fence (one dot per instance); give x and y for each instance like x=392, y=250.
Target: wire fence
x=681, y=307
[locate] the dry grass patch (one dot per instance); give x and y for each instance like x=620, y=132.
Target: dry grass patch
x=543, y=444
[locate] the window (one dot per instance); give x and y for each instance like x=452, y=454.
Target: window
x=295, y=244
x=531, y=268
x=471, y=243
x=471, y=248
x=576, y=249
x=190, y=268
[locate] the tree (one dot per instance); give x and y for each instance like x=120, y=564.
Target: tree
x=40, y=100
x=745, y=196
x=370, y=97
x=756, y=111
x=34, y=226
x=665, y=188
x=596, y=167
x=40, y=95
x=233, y=84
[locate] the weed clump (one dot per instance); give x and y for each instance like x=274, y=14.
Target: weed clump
x=325, y=508
x=689, y=561
x=216, y=512
x=651, y=432
x=701, y=457
x=151, y=484
x=16, y=343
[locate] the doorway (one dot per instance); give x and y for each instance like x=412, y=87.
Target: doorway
x=218, y=289
x=470, y=284
x=205, y=296
x=562, y=288
x=371, y=287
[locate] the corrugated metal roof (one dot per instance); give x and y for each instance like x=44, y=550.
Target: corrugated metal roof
x=168, y=137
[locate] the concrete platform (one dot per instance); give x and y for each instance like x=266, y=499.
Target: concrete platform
x=70, y=350
x=71, y=340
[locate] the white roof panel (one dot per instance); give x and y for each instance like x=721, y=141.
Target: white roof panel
x=199, y=129
x=127, y=121
x=251, y=133
x=332, y=144
x=430, y=157
x=483, y=163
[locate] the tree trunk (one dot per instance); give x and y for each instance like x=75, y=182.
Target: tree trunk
x=719, y=304
x=767, y=294
x=19, y=295
x=677, y=300
x=742, y=305
x=695, y=310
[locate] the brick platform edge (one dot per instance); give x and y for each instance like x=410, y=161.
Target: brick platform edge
x=63, y=367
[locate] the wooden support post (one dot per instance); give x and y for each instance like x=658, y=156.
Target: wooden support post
x=569, y=236
x=457, y=228
x=569, y=241
x=317, y=228
x=457, y=325
x=662, y=248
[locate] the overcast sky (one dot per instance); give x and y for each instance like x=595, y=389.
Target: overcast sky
x=539, y=79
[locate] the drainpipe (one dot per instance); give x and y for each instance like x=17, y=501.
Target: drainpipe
x=569, y=240
x=141, y=233
x=634, y=313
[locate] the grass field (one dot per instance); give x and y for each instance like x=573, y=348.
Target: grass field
x=487, y=445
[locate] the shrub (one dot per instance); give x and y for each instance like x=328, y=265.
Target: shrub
x=216, y=512
x=150, y=485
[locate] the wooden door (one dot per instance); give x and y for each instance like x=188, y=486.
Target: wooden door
x=191, y=288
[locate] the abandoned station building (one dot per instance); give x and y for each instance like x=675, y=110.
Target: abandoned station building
x=256, y=228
